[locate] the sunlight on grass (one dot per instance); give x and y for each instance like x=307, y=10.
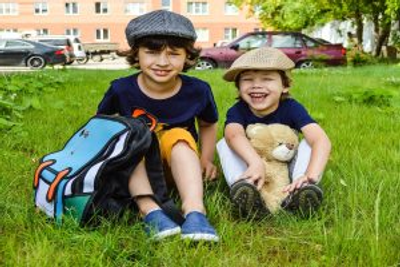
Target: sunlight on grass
x=358, y=224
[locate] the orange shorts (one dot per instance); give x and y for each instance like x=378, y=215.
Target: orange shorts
x=168, y=138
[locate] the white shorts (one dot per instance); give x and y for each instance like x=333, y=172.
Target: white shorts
x=233, y=166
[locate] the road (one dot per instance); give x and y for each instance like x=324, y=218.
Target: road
x=108, y=64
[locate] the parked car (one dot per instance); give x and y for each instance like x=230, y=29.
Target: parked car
x=79, y=51
x=60, y=41
x=302, y=49
x=20, y=52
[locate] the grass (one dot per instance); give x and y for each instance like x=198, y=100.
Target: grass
x=358, y=225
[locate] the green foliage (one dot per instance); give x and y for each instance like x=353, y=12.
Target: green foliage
x=20, y=92
x=383, y=98
x=358, y=224
x=358, y=58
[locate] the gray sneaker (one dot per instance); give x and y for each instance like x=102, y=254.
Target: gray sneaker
x=247, y=201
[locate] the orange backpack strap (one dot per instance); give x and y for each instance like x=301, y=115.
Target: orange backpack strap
x=54, y=184
x=137, y=113
x=38, y=171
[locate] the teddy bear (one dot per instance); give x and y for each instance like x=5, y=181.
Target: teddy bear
x=277, y=145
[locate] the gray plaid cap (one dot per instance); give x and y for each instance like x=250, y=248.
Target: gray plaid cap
x=159, y=22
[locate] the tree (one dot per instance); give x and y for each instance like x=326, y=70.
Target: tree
x=304, y=14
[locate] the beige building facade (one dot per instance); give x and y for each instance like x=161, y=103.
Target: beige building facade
x=105, y=20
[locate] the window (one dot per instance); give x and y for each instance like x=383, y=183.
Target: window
x=202, y=34
x=310, y=42
x=40, y=8
x=101, y=7
x=231, y=9
x=8, y=30
x=43, y=31
x=135, y=8
x=285, y=40
x=252, y=42
x=72, y=32
x=102, y=34
x=166, y=5
x=16, y=43
x=71, y=8
x=197, y=8
x=8, y=9
x=230, y=33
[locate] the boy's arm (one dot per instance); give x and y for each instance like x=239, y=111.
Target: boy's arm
x=236, y=138
x=208, y=138
x=320, y=150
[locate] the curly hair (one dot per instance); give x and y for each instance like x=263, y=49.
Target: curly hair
x=159, y=43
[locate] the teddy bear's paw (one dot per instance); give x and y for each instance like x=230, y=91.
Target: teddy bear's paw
x=247, y=201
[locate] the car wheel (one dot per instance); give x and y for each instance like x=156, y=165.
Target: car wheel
x=305, y=64
x=36, y=62
x=82, y=60
x=69, y=62
x=97, y=58
x=205, y=64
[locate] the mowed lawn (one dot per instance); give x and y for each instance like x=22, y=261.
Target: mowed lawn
x=358, y=224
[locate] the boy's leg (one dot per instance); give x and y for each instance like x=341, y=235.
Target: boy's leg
x=232, y=165
x=246, y=198
x=308, y=198
x=158, y=224
x=180, y=151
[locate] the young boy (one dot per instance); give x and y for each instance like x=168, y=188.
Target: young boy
x=262, y=77
x=162, y=46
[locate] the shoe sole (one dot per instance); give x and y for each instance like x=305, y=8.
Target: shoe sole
x=200, y=237
x=247, y=201
x=167, y=233
x=306, y=200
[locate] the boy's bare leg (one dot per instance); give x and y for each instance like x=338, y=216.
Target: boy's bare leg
x=186, y=171
x=139, y=185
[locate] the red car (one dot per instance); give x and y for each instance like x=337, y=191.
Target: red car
x=302, y=49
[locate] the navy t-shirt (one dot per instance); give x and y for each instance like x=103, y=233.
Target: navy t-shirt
x=193, y=100
x=289, y=112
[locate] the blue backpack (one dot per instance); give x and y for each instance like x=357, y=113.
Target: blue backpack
x=89, y=177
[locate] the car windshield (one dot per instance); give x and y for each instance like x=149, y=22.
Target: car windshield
x=56, y=42
x=15, y=43
x=251, y=42
x=285, y=41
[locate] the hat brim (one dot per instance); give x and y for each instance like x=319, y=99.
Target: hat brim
x=231, y=74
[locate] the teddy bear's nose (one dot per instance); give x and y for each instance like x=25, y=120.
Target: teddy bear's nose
x=290, y=146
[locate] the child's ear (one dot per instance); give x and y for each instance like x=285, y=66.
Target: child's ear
x=286, y=90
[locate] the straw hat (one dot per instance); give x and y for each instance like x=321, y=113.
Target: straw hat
x=160, y=22
x=265, y=58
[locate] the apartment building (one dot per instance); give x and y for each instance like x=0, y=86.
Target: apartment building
x=105, y=20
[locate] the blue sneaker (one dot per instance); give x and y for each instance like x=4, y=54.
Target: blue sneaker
x=196, y=228
x=159, y=225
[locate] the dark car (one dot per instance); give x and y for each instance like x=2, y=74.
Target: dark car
x=19, y=52
x=302, y=49
x=59, y=41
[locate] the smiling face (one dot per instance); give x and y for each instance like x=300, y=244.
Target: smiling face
x=161, y=66
x=261, y=90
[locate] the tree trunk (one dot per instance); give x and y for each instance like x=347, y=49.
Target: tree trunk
x=383, y=37
x=359, y=28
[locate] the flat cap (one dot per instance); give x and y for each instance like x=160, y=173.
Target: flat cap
x=265, y=58
x=159, y=22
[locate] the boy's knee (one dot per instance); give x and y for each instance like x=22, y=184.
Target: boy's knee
x=175, y=138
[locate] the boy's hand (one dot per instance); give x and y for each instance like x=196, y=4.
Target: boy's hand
x=255, y=174
x=209, y=170
x=298, y=183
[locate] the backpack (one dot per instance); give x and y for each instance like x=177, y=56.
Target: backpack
x=88, y=178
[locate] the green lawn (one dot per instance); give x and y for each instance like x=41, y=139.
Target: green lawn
x=358, y=225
